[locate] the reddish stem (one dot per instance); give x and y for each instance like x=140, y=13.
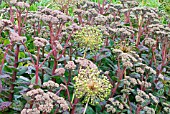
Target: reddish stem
x=57, y=109
x=37, y=66
x=39, y=28
x=69, y=76
x=28, y=53
x=58, y=91
x=111, y=81
x=67, y=91
x=120, y=74
x=24, y=20
x=80, y=19
x=138, y=109
x=127, y=17
x=14, y=73
x=51, y=33
x=54, y=68
x=74, y=105
x=102, y=8
x=3, y=60
x=163, y=58
x=47, y=57
x=140, y=31
x=58, y=31
x=11, y=16
x=107, y=42
x=63, y=51
x=19, y=22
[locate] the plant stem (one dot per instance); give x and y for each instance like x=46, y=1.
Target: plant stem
x=14, y=73
x=37, y=66
x=43, y=71
x=140, y=30
x=47, y=57
x=69, y=77
x=72, y=98
x=11, y=15
x=63, y=51
x=156, y=107
x=120, y=75
x=84, y=56
x=86, y=106
x=19, y=19
x=70, y=73
x=58, y=91
x=76, y=100
x=67, y=90
x=28, y=53
x=54, y=68
x=3, y=60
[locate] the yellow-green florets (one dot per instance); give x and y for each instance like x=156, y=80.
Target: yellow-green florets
x=89, y=37
x=92, y=86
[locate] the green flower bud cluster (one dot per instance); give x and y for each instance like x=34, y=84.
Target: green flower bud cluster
x=89, y=37
x=92, y=86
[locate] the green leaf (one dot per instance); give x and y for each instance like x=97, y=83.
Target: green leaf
x=21, y=70
x=10, y=68
x=98, y=108
x=90, y=110
x=33, y=80
x=17, y=105
x=21, y=55
x=79, y=110
x=46, y=77
x=104, y=112
x=6, y=42
x=33, y=7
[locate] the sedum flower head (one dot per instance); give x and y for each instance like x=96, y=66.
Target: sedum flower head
x=40, y=42
x=60, y=71
x=166, y=110
x=89, y=37
x=16, y=38
x=50, y=84
x=148, y=110
x=149, y=42
x=124, y=51
x=131, y=80
x=70, y=65
x=30, y=111
x=85, y=63
x=141, y=96
x=113, y=105
x=92, y=86
x=155, y=99
x=44, y=101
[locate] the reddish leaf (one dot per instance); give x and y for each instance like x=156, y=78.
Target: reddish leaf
x=4, y=105
x=5, y=76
